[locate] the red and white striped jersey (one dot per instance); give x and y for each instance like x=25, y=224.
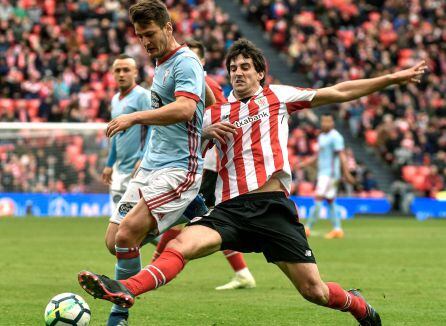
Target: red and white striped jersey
x=259, y=149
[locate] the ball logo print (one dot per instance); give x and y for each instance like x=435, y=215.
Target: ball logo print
x=67, y=309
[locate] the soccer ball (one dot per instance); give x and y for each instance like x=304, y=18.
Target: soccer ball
x=67, y=309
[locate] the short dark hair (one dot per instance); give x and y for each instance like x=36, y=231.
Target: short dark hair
x=248, y=50
x=194, y=44
x=124, y=56
x=145, y=11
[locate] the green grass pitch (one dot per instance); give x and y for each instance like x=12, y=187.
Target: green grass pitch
x=399, y=264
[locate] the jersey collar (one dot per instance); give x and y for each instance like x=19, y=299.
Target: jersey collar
x=169, y=55
x=127, y=92
x=231, y=97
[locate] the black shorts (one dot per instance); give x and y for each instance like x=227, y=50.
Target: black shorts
x=262, y=222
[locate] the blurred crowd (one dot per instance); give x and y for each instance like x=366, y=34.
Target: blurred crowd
x=335, y=40
x=55, y=56
x=52, y=161
x=55, y=59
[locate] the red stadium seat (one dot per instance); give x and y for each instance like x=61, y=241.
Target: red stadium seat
x=423, y=170
x=409, y=172
x=33, y=107
x=305, y=189
x=371, y=137
x=377, y=194
x=419, y=182
x=6, y=103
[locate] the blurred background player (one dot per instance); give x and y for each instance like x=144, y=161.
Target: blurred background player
x=127, y=147
x=331, y=158
x=243, y=278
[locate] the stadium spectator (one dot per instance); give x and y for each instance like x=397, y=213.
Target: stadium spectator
x=330, y=41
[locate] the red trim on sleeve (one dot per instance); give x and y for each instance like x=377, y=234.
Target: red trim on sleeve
x=188, y=95
x=299, y=105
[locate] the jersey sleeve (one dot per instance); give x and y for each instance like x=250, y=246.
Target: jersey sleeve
x=338, y=143
x=111, y=159
x=294, y=98
x=189, y=78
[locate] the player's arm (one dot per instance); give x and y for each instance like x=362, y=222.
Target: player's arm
x=309, y=161
x=210, y=97
x=344, y=167
x=111, y=159
x=189, y=78
x=350, y=90
x=181, y=110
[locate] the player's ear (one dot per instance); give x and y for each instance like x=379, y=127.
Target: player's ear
x=169, y=27
x=260, y=75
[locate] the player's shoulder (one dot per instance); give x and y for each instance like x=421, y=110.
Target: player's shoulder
x=336, y=134
x=139, y=90
x=115, y=97
x=187, y=57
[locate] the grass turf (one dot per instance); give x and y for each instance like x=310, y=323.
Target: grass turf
x=398, y=263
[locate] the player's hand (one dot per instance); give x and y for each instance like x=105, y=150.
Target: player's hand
x=106, y=175
x=412, y=74
x=219, y=131
x=118, y=124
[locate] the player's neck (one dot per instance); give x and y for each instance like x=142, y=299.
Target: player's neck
x=244, y=97
x=124, y=91
x=172, y=47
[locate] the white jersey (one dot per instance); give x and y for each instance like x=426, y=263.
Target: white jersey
x=259, y=150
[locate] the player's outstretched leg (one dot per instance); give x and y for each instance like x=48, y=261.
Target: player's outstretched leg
x=372, y=317
x=102, y=287
x=243, y=278
x=194, y=242
x=306, y=278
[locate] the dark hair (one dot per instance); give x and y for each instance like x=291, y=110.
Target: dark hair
x=248, y=50
x=145, y=11
x=194, y=44
x=124, y=56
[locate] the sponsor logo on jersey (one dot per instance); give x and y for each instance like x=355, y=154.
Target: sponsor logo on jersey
x=166, y=74
x=156, y=101
x=261, y=101
x=125, y=208
x=250, y=119
x=307, y=253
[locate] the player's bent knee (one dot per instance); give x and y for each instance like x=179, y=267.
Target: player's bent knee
x=125, y=237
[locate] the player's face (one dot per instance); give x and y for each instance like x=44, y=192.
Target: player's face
x=125, y=72
x=327, y=123
x=154, y=38
x=245, y=80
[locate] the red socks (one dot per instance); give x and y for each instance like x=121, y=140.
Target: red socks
x=165, y=238
x=340, y=299
x=236, y=259
x=168, y=265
